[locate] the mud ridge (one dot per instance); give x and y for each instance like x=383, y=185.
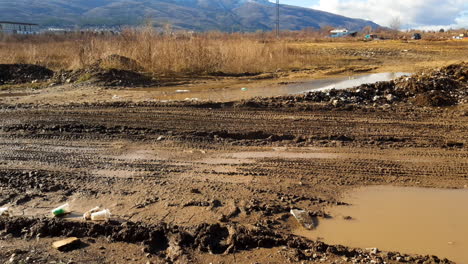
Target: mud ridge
x=172, y=242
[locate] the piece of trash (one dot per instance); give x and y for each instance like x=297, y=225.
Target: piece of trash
x=373, y=250
x=61, y=210
x=115, y=97
x=66, y=244
x=103, y=215
x=244, y=89
x=87, y=215
x=303, y=217
x=4, y=211
x=182, y=91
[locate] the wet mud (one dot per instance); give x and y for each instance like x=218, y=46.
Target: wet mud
x=172, y=242
x=186, y=179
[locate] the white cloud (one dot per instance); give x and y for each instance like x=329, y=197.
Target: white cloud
x=412, y=13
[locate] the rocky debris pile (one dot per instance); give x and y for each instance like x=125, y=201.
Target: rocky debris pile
x=23, y=73
x=114, y=70
x=444, y=87
x=175, y=243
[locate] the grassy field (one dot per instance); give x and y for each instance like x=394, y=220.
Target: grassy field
x=209, y=53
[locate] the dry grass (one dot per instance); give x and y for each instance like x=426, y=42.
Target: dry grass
x=187, y=54
x=159, y=53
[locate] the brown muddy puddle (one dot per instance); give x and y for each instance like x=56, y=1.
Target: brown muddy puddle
x=233, y=94
x=409, y=220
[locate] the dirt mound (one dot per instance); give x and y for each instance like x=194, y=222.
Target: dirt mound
x=104, y=77
x=172, y=242
x=434, y=98
x=114, y=70
x=23, y=73
x=444, y=87
x=115, y=61
x=459, y=71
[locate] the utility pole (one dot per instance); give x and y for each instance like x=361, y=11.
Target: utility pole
x=277, y=18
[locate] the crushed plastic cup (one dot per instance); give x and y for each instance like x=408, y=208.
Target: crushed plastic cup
x=87, y=215
x=4, y=211
x=103, y=215
x=303, y=217
x=61, y=210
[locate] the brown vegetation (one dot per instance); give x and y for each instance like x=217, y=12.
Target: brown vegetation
x=182, y=53
x=158, y=53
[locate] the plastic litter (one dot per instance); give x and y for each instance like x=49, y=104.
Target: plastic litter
x=66, y=244
x=87, y=215
x=61, y=210
x=4, y=211
x=182, y=91
x=103, y=215
x=244, y=89
x=304, y=218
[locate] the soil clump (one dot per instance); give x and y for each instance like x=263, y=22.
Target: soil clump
x=23, y=73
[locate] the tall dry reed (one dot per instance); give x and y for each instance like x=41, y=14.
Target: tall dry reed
x=160, y=53
x=183, y=53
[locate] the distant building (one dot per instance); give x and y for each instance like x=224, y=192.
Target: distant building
x=342, y=32
x=8, y=27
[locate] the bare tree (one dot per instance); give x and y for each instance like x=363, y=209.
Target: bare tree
x=395, y=23
x=367, y=30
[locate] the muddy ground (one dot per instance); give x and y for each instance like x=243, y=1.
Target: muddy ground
x=214, y=182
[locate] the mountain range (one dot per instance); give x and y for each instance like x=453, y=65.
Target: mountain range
x=198, y=15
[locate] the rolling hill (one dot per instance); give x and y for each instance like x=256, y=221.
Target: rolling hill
x=200, y=15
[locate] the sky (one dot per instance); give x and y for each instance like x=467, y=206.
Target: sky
x=420, y=14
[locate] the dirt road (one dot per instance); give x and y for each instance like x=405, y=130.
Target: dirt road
x=214, y=182
x=208, y=170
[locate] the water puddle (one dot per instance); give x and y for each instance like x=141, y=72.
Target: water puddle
x=345, y=83
x=409, y=220
x=233, y=94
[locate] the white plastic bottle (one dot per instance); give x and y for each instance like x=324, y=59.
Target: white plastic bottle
x=61, y=210
x=87, y=215
x=101, y=215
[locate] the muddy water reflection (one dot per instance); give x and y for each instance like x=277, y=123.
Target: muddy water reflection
x=321, y=85
x=409, y=220
x=232, y=94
